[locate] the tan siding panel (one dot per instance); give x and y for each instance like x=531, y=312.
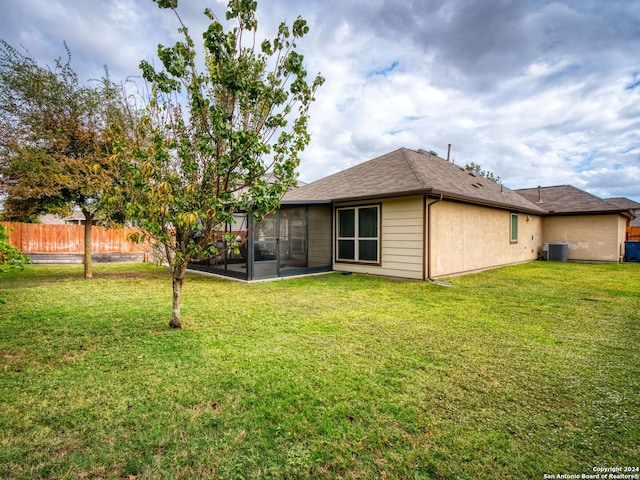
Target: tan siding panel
x=320, y=241
x=402, y=251
x=402, y=227
x=402, y=237
x=373, y=270
x=399, y=259
x=401, y=240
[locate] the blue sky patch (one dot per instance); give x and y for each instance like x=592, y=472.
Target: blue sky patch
x=384, y=71
x=633, y=85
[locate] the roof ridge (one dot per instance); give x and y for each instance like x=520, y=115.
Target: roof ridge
x=407, y=158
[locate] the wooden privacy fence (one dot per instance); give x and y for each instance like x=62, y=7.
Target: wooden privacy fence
x=35, y=239
x=633, y=234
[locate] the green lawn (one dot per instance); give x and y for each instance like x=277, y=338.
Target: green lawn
x=511, y=373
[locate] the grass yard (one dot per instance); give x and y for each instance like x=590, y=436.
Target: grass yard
x=512, y=373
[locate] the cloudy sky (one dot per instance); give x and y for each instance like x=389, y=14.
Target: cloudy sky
x=538, y=92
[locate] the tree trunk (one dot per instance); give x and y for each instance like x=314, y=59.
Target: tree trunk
x=86, y=259
x=178, y=273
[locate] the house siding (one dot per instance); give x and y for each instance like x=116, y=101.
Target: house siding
x=591, y=238
x=401, y=239
x=467, y=238
x=320, y=238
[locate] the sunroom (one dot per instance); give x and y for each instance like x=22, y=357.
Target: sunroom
x=295, y=240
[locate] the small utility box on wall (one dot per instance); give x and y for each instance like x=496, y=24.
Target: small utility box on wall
x=557, y=252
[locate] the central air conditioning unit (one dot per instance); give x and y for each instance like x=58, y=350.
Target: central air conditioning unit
x=556, y=252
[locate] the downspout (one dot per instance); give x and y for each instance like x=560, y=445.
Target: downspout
x=428, y=276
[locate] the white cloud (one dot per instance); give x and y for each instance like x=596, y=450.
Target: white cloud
x=537, y=92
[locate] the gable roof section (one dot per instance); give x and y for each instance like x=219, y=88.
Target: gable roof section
x=569, y=200
x=405, y=172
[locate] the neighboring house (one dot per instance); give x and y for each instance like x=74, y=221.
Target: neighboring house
x=593, y=228
x=76, y=218
x=411, y=214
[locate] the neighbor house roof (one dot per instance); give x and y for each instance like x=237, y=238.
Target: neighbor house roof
x=405, y=172
x=631, y=205
x=569, y=200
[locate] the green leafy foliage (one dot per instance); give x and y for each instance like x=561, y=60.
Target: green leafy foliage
x=55, y=141
x=477, y=168
x=216, y=140
x=10, y=256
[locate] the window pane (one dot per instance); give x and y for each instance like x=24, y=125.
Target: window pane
x=368, y=222
x=346, y=223
x=368, y=250
x=346, y=249
x=514, y=227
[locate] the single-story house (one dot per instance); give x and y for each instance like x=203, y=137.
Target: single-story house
x=411, y=214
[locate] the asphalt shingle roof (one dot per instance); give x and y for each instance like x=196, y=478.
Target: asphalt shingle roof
x=624, y=203
x=406, y=172
x=629, y=204
x=566, y=199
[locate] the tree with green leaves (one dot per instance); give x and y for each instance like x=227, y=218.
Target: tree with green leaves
x=477, y=168
x=10, y=256
x=55, y=141
x=217, y=137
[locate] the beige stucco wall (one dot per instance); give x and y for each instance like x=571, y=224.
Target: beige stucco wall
x=593, y=238
x=467, y=238
x=401, y=242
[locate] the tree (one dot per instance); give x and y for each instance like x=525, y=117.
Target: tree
x=10, y=256
x=55, y=141
x=477, y=168
x=216, y=140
